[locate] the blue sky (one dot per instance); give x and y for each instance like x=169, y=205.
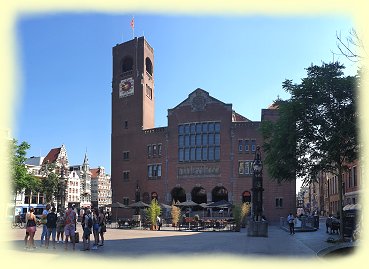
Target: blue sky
x=65, y=68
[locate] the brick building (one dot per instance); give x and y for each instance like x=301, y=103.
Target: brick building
x=204, y=154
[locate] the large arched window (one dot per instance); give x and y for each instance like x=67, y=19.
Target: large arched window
x=127, y=64
x=148, y=66
x=219, y=193
x=178, y=194
x=198, y=195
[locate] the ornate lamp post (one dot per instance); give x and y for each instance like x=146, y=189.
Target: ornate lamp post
x=257, y=226
x=63, y=181
x=257, y=186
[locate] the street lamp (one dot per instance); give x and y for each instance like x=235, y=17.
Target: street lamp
x=63, y=182
x=257, y=226
x=257, y=186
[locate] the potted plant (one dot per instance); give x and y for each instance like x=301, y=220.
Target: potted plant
x=239, y=214
x=153, y=211
x=176, y=213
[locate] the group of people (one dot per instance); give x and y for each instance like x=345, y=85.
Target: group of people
x=57, y=225
x=93, y=223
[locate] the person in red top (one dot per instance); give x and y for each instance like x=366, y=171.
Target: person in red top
x=70, y=226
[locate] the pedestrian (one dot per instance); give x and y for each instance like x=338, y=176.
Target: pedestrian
x=70, y=227
x=81, y=214
x=43, y=222
x=102, y=224
x=31, y=228
x=291, y=223
x=51, y=227
x=95, y=228
x=158, y=222
x=87, y=226
x=26, y=236
x=60, y=227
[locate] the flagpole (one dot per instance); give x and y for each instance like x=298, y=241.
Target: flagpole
x=133, y=27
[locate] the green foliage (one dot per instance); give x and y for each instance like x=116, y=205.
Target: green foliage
x=51, y=184
x=317, y=128
x=153, y=211
x=176, y=214
x=21, y=179
x=240, y=212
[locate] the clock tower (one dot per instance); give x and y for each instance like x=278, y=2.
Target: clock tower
x=133, y=86
x=132, y=111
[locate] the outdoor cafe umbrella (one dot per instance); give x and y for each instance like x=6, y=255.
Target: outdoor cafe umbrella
x=165, y=206
x=220, y=204
x=203, y=205
x=187, y=204
x=138, y=204
x=116, y=205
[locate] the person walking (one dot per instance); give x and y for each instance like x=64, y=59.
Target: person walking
x=102, y=224
x=51, y=227
x=95, y=228
x=291, y=223
x=70, y=227
x=31, y=228
x=87, y=226
x=158, y=222
x=43, y=221
x=60, y=227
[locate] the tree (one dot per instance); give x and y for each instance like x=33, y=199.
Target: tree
x=21, y=179
x=50, y=183
x=18, y=168
x=317, y=129
x=153, y=212
x=352, y=47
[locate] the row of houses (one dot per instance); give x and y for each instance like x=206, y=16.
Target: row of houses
x=83, y=186
x=322, y=196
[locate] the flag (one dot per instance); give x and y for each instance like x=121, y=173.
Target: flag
x=133, y=23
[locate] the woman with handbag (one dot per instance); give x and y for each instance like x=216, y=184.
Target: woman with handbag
x=31, y=228
x=102, y=224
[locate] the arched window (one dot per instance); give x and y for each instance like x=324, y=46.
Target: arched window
x=178, y=194
x=148, y=66
x=154, y=195
x=127, y=64
x=246, y=197
x=219, y=193
x=198, y=195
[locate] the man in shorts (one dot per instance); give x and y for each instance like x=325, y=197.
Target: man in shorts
x=70, y=226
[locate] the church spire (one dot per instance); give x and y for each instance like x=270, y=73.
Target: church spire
x=85, y=161
x=86, y=166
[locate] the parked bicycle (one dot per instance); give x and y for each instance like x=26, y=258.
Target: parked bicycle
x=18, y=221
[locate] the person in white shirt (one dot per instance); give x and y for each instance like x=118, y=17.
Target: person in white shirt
x=291, y=223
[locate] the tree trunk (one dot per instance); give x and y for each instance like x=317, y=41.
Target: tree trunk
x=340, y=207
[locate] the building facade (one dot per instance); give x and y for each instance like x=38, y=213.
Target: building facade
x=205, y=153
x=322, y=196
x=78, y=180
x=100, y=187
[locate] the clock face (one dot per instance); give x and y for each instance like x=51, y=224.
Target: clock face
x=126, y=87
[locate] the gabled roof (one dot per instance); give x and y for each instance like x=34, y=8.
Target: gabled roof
x=198, y=99
x=95, y=172
x=52, y=156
